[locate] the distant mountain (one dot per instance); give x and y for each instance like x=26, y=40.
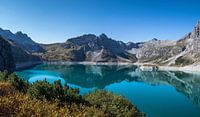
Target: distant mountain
x=22, y=40
x=12, y=56
x=156, y=51
x=92, y=48
x=131, y=45
x=182, y=52
x=89, y=48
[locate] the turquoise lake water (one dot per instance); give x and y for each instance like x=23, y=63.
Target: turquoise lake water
x=156, y=93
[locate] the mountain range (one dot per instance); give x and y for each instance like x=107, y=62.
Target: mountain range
x=89, y=48
x=19, y=50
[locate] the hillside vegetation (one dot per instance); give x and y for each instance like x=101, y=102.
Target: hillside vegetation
x=42, y=99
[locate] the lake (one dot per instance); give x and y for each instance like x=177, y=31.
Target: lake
x=156, y=93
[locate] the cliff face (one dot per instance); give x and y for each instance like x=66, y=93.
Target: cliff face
x=89, y=48
x=23, y=58
x=157, y=51
x=22, y=48
x=13, y=57
x=6, y=57
x=190, y=45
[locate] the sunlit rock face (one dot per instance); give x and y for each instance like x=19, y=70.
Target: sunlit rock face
x=196, y=31
x=183, y=52
x=6, y=57
x=157, y=51
x=191, y=45
x=89, y=48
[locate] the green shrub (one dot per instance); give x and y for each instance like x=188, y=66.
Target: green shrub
x=4, y=76
x=45, y=99
x=183, y=61
x=41, y=90
x=17, y=82
x=55, y=91
x=114, y=105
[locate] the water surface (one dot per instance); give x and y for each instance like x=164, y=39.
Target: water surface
x=156, y=93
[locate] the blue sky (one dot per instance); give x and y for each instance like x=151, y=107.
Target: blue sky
x=48, y=21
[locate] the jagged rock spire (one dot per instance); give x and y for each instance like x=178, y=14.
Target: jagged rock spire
x=198, y=23
x=196, y=31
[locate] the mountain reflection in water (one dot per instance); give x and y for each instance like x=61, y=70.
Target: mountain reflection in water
x=102, y=76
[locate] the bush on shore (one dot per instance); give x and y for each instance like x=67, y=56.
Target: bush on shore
x=63, y=94
x=17, y=82
x=114, y=105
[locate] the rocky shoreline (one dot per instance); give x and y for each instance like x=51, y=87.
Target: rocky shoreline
x=190, y=69
x=142, y=66
x=151, y=67
x=87, y=63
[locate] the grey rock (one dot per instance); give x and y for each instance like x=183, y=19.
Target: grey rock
x=156, y=51
x=183, y=52
x=89, y=48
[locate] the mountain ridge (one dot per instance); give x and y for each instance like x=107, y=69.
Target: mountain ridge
x=182, y=52
x=92, y=48
x=20, y=49
x=89, y=47
x=21, y=39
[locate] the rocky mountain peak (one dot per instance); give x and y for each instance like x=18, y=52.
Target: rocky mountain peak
x=154, y=39
x=89, y=47
x=82, y=40
x=21, y=39
x=131, y=45
x=18, y=32
x=21, y=34
x=196, y=31
x=88, y=36
x=103, y=36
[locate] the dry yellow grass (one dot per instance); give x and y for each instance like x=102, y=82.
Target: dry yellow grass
x=13, y=103
x=6, y=88
x=18, y=104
